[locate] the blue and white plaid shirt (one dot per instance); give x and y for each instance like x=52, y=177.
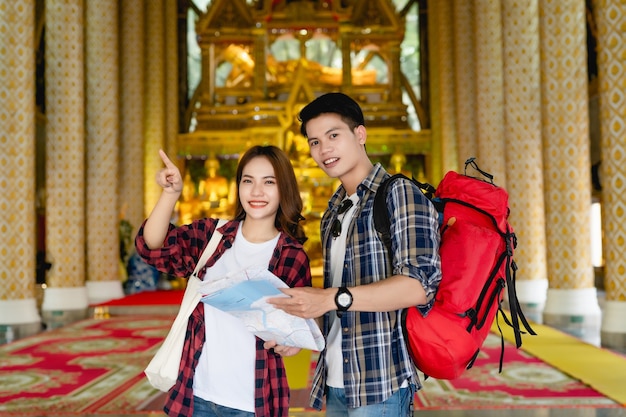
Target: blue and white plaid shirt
x=376, y=360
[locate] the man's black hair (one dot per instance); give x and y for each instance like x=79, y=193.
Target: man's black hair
x=338, y=103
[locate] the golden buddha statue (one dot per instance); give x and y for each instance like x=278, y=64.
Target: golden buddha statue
x=188, y=206
x=397, y=162
x=214, y=189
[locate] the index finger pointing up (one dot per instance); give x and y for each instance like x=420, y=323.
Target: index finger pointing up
x=165, y=159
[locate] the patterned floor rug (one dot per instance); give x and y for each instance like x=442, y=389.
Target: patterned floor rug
x=96, y=367
x=525, y=381
x=93, y=366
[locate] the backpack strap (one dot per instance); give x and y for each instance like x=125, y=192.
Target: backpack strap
x=517, y=315
x=472, y=162
x=515, y=310
x=382, y=222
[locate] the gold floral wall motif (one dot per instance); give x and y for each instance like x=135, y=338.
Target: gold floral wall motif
x=65, y=144
x=17, y=154
x=611, y=21
x=524, y=159
x=565, y=133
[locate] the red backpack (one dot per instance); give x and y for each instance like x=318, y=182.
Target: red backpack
x=477, y=245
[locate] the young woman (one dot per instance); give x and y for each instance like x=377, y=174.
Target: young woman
x=225, y=370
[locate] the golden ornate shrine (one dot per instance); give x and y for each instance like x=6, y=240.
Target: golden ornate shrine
x=263, y=61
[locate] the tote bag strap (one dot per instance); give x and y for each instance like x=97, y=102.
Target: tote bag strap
x=210, y=247
x=163, y=369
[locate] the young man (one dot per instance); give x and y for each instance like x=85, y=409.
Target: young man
x=365, y=370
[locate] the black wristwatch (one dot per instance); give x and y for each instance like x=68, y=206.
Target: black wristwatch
x=343, y=299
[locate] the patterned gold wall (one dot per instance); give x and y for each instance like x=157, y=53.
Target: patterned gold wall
x=565, y=133
x=611, y=26
x=65, y=143
x=102, y=94
x=489, y=94
x=131, y=193
x=154, y=102
x=441, y=15
x=522, y=115
x=465, y=79
x=17, y=151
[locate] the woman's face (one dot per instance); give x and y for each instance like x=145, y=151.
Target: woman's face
x=258, y=189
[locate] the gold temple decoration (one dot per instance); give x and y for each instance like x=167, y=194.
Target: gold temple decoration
x=213, y=190
x=263, y=61
x=250, y=95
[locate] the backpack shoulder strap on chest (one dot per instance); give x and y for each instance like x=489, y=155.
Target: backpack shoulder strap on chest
x=382, y=222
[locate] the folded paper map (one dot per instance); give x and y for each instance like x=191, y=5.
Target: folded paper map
x=244, y=293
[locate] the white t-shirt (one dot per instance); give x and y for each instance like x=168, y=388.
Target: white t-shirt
x=334, y=355
x=225, y=371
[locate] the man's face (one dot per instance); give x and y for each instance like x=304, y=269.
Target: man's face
x=333, y=145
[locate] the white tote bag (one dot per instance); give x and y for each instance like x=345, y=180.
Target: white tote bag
x=162, y=371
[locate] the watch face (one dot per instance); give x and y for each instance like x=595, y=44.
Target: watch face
x=343, y=299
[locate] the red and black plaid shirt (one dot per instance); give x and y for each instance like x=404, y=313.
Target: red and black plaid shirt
x=178, y=257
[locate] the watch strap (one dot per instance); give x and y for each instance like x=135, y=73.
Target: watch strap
x=340, y=292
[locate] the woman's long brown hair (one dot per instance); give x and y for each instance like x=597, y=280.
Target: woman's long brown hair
x=289, y=212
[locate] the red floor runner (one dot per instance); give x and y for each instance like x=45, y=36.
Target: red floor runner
x=147, y=298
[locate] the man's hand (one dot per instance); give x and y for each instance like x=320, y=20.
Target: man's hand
x=393, y=293
x=305, y=302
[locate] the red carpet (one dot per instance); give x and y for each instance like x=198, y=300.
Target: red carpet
x=148, y=298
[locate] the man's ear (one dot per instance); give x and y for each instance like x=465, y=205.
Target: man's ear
x=361, y=133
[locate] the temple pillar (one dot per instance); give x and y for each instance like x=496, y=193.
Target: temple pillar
x=171, y=79
x=395, y=52
x=441, y=18
x=522, y=115
x=131, y=179
x=465, y=80
x=260, y=60
x=346, y=63
x=154, y=101
x=102, y=127
x=435, y=170
x=65, y=298
x=19, y=315
x=610, y=22
x=489, y=88
x=572, y=303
